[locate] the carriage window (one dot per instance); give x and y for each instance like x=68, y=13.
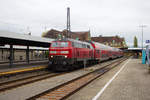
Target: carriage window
x=73, y=44
x=84, y=46
x=88, y=46
x=80, y=45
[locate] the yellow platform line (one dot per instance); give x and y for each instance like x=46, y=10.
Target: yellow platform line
x=22, y=70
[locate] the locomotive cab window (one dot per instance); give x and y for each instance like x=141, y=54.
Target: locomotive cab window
x=59, y=44
x=64, y=44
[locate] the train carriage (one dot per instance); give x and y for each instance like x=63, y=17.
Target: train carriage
x=101, y=52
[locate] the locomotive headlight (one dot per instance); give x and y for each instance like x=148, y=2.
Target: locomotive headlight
x=52, y=51
x=51, y=56
x=65, y=56
x=64, y=52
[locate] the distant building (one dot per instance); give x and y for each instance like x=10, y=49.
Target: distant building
x=114, y=41
x=83, y=35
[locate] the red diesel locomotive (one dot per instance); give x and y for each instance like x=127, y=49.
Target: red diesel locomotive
x=67, y=53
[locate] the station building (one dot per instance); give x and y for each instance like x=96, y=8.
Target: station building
x=113, y=41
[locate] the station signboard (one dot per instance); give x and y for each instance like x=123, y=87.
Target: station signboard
x=147, y=41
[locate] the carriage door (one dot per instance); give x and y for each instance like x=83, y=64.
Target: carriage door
x=100, y=54
x=73, y=50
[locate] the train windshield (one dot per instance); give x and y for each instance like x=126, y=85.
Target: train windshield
x=59, y=44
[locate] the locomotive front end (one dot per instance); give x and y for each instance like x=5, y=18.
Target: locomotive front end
x=60, y=54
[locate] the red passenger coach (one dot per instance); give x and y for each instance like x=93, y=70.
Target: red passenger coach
x=103, y=52
x=63, y=54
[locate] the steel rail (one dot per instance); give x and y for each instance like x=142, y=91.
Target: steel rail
x=16, y=83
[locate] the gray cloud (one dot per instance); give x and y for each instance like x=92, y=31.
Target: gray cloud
x=102, y=17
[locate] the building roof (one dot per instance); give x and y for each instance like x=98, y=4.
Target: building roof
x=102, y=39
x=114, y=41
x=81, y=35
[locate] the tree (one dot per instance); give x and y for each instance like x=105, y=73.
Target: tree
x=135, y=42
x=43, y=34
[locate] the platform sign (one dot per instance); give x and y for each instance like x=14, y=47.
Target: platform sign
x=148, y=54
x=147, y=41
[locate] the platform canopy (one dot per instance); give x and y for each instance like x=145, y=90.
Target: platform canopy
x=23, y=39
x=135, y=49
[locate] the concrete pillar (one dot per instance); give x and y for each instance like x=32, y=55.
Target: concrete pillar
x=2, y=55
x=11, y=55
x=32, y=54
x=27, y=55
x=43, y=55
x=14, y=55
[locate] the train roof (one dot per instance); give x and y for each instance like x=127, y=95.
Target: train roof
x=97, y=45
x=73, y=40
x=104, y=47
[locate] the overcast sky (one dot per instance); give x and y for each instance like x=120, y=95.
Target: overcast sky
x=102, y=17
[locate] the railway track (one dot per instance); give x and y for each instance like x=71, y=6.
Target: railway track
x=66, y=89
x=19, y=82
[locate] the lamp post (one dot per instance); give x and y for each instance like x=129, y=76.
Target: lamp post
x=143, y=52
x=142, y=27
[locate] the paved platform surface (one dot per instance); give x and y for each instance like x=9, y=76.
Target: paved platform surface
x=17, y=64
x=132, y=83
x=22, y=66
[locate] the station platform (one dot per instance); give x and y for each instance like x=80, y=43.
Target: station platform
x=4, y=65
x=128, y=81
x=132, y=83
x=21, y=67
